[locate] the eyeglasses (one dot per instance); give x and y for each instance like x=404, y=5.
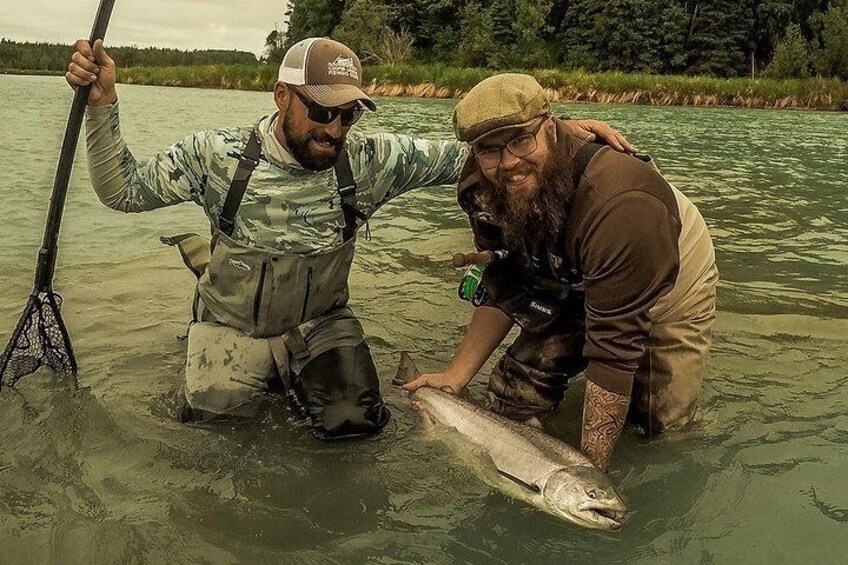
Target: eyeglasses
x=323, y=115
x=520, y=146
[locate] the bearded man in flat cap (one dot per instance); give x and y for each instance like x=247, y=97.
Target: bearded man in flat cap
x=606, y=267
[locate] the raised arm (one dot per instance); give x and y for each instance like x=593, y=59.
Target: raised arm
x=173, y=176
x=395, y=164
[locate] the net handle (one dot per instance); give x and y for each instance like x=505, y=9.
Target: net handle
x=49, y=248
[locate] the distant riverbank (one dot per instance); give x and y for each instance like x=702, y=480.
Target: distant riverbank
x=35, y=72
x=440, y=81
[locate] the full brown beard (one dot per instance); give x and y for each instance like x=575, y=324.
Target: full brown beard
x=300, y=150
x=527, y=220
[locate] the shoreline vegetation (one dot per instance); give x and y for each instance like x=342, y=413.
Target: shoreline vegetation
x=440, y=81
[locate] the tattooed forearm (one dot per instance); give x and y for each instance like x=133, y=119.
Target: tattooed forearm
x=603, y=418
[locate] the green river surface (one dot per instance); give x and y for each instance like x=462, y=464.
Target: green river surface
x=101, y=473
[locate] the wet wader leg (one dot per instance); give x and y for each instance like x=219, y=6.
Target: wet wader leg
x=334, y=378
x=227, y=372
x=530, y=380
x=342, y=393
x=672, y=372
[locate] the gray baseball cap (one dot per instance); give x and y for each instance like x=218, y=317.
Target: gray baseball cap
x=326, y=71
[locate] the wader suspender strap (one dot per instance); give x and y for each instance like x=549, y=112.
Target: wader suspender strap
x=290, y=343
x=247, y=163
x=582, y=158
x=347, y=195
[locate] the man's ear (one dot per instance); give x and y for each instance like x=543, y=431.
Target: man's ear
x=281, y=96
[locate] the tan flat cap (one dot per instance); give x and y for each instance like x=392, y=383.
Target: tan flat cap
x=500, y=101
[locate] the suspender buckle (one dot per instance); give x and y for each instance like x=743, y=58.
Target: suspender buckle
x=249, y=161
x=226, y=225
x=346, y=191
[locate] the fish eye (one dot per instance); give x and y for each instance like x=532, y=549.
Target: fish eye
x=592, y=494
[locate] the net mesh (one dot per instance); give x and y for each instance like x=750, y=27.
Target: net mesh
x=40, y=340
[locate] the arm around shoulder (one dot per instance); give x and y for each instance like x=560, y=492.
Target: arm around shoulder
x=399, y=163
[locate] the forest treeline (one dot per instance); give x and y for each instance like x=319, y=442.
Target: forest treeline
x=54, y=57
x=721, y=38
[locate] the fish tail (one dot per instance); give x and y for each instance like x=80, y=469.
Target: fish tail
x=407, y=371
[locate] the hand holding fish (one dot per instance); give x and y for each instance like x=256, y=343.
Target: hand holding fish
x=520, y=460
x=445, y=381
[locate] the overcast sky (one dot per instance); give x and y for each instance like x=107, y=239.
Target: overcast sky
x=184, y=24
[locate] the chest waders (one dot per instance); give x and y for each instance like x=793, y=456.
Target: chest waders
x=544, y=295
x=297, y=302
x=532, y=290
x=262, y=292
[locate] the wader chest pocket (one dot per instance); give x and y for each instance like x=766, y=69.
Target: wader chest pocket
x=264, y=293
x=533, y=302
x=236, y=287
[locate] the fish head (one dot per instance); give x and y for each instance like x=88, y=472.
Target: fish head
x=584, y=495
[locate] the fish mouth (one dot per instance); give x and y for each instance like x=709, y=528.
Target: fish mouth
x=602, y=516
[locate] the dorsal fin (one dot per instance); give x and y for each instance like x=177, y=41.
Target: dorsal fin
x=407, y=371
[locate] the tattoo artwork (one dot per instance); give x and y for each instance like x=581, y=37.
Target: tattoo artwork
x=603, y=419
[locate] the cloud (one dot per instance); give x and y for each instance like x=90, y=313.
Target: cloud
x=184, y=24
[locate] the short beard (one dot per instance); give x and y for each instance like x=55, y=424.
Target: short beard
x=299, y=148
x=528, y=221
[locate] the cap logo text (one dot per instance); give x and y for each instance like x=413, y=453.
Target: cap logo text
x=343, y=66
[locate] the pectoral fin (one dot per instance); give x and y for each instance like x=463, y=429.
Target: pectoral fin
x=532, y=488
x=407, y=371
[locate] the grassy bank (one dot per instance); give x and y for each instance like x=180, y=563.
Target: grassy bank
x=439, y=81
x=35, y=72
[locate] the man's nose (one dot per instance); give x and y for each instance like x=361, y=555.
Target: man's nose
x=334, y=128
x=508, y=160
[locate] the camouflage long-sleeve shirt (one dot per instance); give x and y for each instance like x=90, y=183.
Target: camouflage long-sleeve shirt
x=286, y=207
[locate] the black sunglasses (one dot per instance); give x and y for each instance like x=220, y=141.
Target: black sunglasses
x=323, y=115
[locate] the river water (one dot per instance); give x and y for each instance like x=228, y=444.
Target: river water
x=100, y=473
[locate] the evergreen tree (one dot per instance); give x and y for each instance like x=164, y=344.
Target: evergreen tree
x=624, y=35
x=575, y=39
x=720, y=37
x=363, y=28
x=275, y=42
x=831, y=54
x=275, y=47
x=313, y=18
x=771, y=20
x=437, y=36
x=477, y=40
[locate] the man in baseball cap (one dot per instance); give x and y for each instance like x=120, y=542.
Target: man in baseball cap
x=319, y=96
x=608, y=269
